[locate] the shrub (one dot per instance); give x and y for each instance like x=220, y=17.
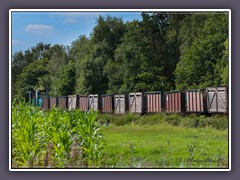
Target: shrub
x=219, y=122
x=193, y=120
x=190, y=121
x=173, y=119
x=121, y=120
x=151, y=119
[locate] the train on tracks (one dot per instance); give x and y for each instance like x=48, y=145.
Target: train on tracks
x=205, y=101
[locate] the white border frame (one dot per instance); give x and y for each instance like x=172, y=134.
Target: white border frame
x=116, y=10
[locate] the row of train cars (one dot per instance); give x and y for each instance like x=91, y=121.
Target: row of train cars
x=206, y=101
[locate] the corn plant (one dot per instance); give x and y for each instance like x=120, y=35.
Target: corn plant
x=92, y=142
x=58, y=132
x=56, y=138
x=27, y=137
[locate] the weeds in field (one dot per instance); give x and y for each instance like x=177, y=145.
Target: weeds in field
x=197, y=157
x=219, y=122
x=118, y=120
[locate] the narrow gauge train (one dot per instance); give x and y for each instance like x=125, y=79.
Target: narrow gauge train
x=209, y=100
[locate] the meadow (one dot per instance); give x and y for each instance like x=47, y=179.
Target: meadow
x=157, y=146
x=61, y=139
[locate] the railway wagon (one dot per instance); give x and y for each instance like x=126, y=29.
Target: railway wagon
x=62, y=102
x=45, y=103
x=33, y=100
x=155, y=102
x=137, y=103
x=195, y=101
x=107, y=103
x=83, y=103
x=95, y=102
x=35, y=97
x=211, y=100
x=72, y=102
x=120, y=103
x=217, y=99
x=174, y=102
x=53, y=102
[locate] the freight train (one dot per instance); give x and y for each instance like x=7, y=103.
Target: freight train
x=205, y=101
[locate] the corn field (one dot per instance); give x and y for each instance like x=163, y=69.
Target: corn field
x=55, y=139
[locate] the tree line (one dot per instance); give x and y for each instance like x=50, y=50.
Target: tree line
x=160, y=52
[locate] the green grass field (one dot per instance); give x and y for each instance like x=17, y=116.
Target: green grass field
x=165, y=146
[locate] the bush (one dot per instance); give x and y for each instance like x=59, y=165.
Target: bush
x=151, y=119
x=173, y=119
x=118, y=120
x=126, y=119
x=219, y=122
x=193, y=120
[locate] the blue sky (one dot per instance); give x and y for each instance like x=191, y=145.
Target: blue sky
x=30, y=28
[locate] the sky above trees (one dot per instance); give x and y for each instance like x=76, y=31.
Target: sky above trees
x=30, y=28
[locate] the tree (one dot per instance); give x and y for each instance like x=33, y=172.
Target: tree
x=21, y=61
x=79, y=53
x=105, y=38
x=201, y=54
x=221, y=69
x=28, y=80
x=129, y=61
x=41, y=51
x=67, y=80
x=58, y=60
x=149, y=64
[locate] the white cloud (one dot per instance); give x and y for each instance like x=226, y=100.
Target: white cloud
x=39, y=29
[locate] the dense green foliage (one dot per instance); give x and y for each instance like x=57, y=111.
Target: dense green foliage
x=161, y=52
x=217, y=121
x=55, y=139
x=202, y=62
